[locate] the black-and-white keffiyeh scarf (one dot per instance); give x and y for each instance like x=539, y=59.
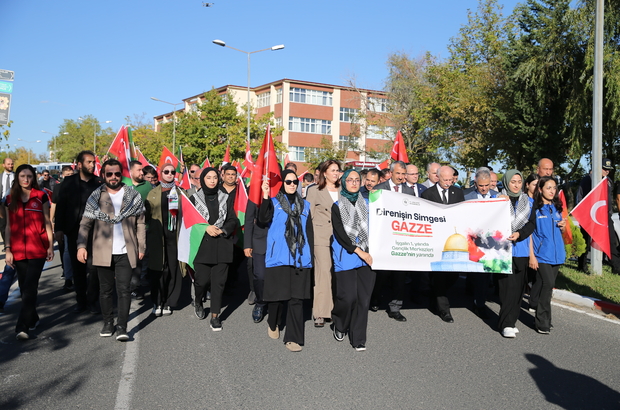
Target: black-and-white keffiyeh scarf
x=167, y=185
x=132, y=206
x=355, y=220
x=293, y=232
x=520, y=215
x=222, y=203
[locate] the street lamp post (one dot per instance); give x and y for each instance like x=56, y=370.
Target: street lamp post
x=248, y=53
x=54, y=137
x=174, y=120
x=95, y=137
x=29, y=142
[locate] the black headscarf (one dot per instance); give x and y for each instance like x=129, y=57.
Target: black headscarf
x=293, y=205
x=210, y=194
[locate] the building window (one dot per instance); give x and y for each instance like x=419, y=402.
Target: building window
x=302, y=95
x=348, y=114
x=297, y=153
x=348, y=142
x=264, y=99
x=377, y=104
x=310, y=125
x=278, y=96
x=380, y=133
x=278, y=121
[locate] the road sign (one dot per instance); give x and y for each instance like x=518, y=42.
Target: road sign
x=6, y=87
x=7, y=75
x=5, y=108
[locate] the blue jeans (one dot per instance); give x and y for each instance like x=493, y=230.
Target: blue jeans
x=8, y=277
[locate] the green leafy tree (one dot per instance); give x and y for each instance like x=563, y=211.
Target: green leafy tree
x=77, y=135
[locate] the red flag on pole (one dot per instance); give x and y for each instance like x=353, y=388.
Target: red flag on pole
x=399, y=152
x=592, y=215
x=97, y=166
x=185, y=182
x=266, y=168
x=384, y=164
x=247, y=162
x=142, y=158
x=568, y=234
x=205, y=164
x=120, y=149
x=226, y=159
x=167, y=157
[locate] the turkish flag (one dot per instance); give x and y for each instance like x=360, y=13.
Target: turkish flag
x=167, y=157
x=593, y=216
x=266, y=168
x=384, y=164
x=226, y=159
x=399, y=152
x=120, y=149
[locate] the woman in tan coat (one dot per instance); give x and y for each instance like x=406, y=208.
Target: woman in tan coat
x=321, y=198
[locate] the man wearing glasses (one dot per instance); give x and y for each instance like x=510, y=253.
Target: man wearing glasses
x=411, y=179
x=114, y=211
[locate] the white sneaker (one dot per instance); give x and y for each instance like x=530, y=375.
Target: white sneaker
x=166, y=311
x=515, y=329
x=22, y=336
x=156, y=310
x=509, y=332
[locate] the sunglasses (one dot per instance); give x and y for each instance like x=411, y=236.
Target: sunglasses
x=167, y=171
x=116, y=174
x=291, y=181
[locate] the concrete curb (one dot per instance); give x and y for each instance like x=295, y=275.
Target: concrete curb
x=592, y=303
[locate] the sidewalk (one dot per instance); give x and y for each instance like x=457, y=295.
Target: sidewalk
x=584, y=301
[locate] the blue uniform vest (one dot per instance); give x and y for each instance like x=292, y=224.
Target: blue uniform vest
x=278, y=253
x=521, y=249
x=547, y=237
x=344, y=260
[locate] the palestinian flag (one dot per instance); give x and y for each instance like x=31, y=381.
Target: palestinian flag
x=240, y=205
x=193, y=229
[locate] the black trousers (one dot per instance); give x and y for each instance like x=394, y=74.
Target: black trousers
x=294, y=319
x=85, y=278
x=546, y=275
x=118, y=272
x=511, y=293
x=28, y=275
x=440, y=284
x=213, y=276
x=350, y=313
x=398, y=288
x=258, y=279
x=166, y=286
x=481, y=287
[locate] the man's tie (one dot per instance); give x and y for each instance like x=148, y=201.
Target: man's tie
x=445, y=199
x=415, y=193
x=484, y=196
x=395, y=188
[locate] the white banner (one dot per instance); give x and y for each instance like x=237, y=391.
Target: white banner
x=413, y=234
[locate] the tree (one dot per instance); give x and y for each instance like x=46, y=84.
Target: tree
x=78, y=135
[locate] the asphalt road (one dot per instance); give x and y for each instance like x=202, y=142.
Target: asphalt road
x=177, y=362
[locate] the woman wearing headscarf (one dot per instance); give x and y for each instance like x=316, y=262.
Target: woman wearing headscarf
x=530, y=188
x=321, y=198
x=288, y=265
x=523, y=222
x=354, y=277
x=216, y=248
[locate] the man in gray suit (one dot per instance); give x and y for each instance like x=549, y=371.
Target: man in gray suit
x=395, y=183
x=482, y=186
x=431, y=174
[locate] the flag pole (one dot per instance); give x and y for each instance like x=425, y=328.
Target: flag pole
x=596, y=256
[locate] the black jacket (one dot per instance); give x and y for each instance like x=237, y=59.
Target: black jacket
x=71, y=196
x=454, y=194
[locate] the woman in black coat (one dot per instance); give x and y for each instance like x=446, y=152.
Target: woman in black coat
x=216, y=249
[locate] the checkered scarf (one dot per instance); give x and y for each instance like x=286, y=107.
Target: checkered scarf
x=222, y=202
x=355, y=220
x=132, y=206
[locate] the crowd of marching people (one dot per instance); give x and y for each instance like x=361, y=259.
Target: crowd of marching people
x=307, y=239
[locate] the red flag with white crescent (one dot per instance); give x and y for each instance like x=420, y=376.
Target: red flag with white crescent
x=592, y=215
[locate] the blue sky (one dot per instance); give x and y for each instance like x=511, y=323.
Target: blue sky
x=107, y=58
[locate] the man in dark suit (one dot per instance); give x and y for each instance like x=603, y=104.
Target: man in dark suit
x=443, y=192
x=395, y=183
x=71, y=201
x=411, y=179
x=479, y=282
x=370, y=181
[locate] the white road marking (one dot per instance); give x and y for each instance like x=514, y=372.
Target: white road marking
x=130, y=363
x=594, y=315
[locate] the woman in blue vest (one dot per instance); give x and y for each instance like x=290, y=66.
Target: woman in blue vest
x=523, y=222
x=288, y=262
x=547, y=252
x=354, y=277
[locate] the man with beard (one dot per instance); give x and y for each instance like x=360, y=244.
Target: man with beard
x=137, y=179
x=70, y=202
x=113, y=211
x=47, y=181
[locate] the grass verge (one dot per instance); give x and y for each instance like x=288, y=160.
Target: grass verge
x=604, y=287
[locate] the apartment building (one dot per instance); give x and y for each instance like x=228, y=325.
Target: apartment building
x=309, y=112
